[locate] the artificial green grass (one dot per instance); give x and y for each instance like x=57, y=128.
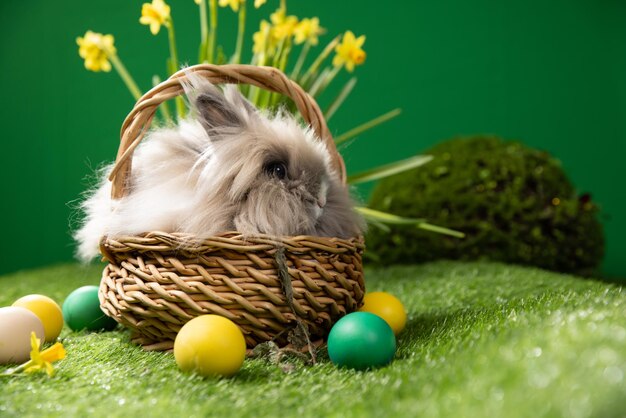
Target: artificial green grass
x=483, y=339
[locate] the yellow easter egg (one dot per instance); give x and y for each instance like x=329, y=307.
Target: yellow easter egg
x=387, y=307
x=47, y=311
x=210, y=345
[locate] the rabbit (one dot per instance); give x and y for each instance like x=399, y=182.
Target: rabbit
x=229, y=166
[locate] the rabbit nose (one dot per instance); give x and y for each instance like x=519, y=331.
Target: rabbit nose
x=321, y=202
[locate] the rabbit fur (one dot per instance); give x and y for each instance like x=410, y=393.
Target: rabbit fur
x=227, y=167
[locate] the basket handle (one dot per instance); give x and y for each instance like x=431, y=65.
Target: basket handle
x=138, y=120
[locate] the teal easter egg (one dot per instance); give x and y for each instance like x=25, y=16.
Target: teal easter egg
x=361, y=340
x=81, y=310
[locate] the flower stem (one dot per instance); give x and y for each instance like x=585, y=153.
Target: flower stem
x=323, y=81
x=278, y=53
x=300, y=62
x=318, y=61
x=240, y=34
x=15, y=369
x=268, y=99
x=212, y=31
x=343, y=94
x=254, y=94
x=282, y=64
x=204, y=32
x=173, y=65
x=124, y=74
x=163, y=107
x=172, y=40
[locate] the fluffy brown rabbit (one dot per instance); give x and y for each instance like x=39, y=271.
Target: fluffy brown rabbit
x=228, y=167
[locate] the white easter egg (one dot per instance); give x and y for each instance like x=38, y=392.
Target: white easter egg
x=16, y=324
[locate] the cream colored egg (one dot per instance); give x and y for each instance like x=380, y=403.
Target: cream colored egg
x=16, y=324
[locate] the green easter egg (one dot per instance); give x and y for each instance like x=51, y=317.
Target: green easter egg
x=81, y=310
x=361, y=340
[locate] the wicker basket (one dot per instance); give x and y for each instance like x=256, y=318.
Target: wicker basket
x=156, y=282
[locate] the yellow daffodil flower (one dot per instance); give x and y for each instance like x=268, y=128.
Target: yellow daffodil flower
x=259, y=3
x=308, y=30
x=262, y=39
x=283, y=26
x=234, y=4
x=155, y=14
x=95, y=49
x=42, y=360
x=349, y=52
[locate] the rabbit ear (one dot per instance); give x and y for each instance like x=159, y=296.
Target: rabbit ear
x=246, y=110
x=214, y=109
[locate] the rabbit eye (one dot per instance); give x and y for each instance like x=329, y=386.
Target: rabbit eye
x=276, y=169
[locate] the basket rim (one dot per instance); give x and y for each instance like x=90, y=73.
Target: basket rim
x=229, y=240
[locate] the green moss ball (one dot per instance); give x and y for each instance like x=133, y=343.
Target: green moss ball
x=514, y=203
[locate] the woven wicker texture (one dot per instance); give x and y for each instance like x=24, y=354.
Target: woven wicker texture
x=156, y=282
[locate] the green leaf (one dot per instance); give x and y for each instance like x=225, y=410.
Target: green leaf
x=441, y=230
x=336, y=104
x=295, y=73
x=366, y=126
x=389, y=169
x=319, y=81
x=377, y=217
x=380, y=225
x=318, y=61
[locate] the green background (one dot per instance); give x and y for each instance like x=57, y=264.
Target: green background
x=552, y=74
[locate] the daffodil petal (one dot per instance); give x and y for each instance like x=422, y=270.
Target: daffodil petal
x=54, y=353
x=49, y=369
x=348, y=37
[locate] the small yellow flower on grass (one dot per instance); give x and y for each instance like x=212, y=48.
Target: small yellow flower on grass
x=155, y=14
x=43, y=360
x=259, y=3
x=349, y=52
x=40, y=360
x=308, y=30
x=234, y=4
x=95, y=49
x=283, y=26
